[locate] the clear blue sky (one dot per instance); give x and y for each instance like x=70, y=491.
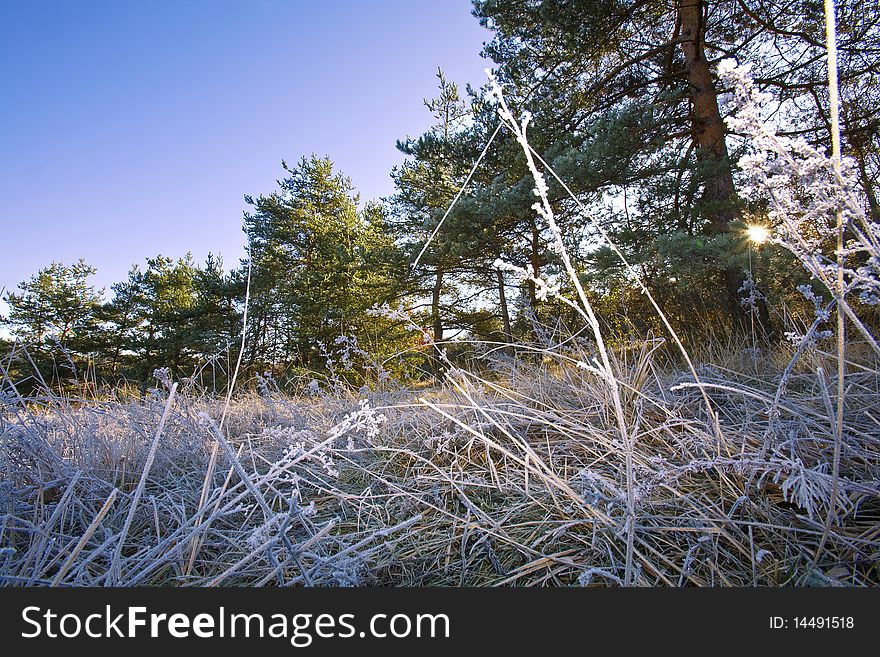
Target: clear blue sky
x=130, y=128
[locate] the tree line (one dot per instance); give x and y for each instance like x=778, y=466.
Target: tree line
x=627, y=109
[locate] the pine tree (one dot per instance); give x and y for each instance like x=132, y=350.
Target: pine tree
x=54, y=316
x=627, y=109
x=319, y=263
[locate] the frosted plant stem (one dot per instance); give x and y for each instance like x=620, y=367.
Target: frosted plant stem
x=203, y=498
x=215, y=448
x=239, y=469
x=834, y=102
x=71, y=559
x=545, y=210
x=115, y=566
x=710, y=409
x=244, y=318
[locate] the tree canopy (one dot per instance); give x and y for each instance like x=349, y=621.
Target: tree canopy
x=627, y=109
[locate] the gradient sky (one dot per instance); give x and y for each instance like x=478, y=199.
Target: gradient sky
x=130, y=128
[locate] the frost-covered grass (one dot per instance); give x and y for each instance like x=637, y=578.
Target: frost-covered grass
x=518, y=477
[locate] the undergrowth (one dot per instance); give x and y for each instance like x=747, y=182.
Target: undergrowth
x=515, y=479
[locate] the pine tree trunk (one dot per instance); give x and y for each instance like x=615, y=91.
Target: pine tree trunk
x=505, y=313
x=719, y=194
x=437, y=322
x=536, y=265
x=873, y=204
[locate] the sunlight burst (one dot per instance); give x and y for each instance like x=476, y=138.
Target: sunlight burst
x=758, y=234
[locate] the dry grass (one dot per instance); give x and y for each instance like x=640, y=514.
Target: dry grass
x=514, y=479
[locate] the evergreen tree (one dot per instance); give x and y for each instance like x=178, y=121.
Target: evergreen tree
x=628, y=110
x=319, y=263
x=54, y=316
x=172, y=314
x=426, y=184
